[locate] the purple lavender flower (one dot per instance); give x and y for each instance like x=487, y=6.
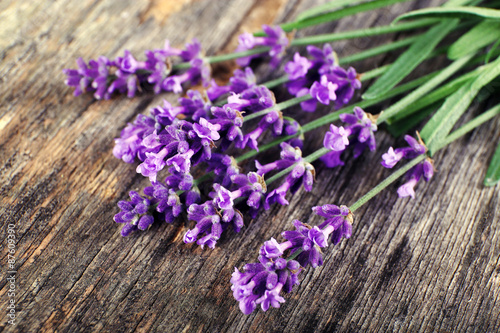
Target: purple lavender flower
x=125, y=74
x=271, y=249
x=276, y=40
x=168, y=203
x=136, y=213
x=361, y=127
x=324, y=60
x=195, y=105
x=261, y=283
x=424, y=169
x=239, y=82
x=338, y=221
x=180, y=145
x=324, y=91
x=179, y=180
x=251, y=186
x=165, y=115
x=297, y=68
x=81, y=78
x=337, y=139
x=393, y=156
x=224, y=168
x=208, y=221
x=302, y=173
x=322, y=78
x=230, y=121
x=307, y=241
x=359, y=132
x=273, y=120
x=253, y=99
x=289, y=156
x=347, y=82
x=129, y=145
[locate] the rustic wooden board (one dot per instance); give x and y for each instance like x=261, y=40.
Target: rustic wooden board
x=431, y=264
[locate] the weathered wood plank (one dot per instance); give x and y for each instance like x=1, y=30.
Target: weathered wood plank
x=429, y=264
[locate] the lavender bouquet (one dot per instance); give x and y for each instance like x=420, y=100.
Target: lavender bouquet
x=196, y=153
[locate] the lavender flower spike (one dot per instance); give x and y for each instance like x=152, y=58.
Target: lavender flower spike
x=336, y=139
x=135, y=214
x=125, y=74
x=424, y=169
x=298, y=67
x=361, y=127
x=262, y=282
x=276, y=40
x=324, y=91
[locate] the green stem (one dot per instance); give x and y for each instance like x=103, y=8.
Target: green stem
x=479, y=120
x=276, y=82
x=367, y=32
x=224, y=57
x=386, y=182
x=294, y=255
x=280, y=106
x=377, y=50
x=310, y=158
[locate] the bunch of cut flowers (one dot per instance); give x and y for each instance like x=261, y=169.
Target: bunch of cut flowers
x=216, y=131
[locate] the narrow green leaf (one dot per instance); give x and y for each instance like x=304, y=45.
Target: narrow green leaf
x=327, y=7
x=433, y=97
x=440, y=93
x=452, y=12
x=452, y=109
x=335, y=15
x=410, y=59
x=423, y=89
x=405, y=125
x=438, y=127
x=492, y=51
x=472, y=124
x=476, y=38
x=493, y=174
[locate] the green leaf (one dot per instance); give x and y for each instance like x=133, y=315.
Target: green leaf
x=405, y=125
x=335, y=15
x=491, y=52
x=326, y=7
x=476, y=38
x=438, y=127
x=472, y=124
x=452, y=12
x=421, y=91
x=493, y=174
x=410, y=59
x=437, y=95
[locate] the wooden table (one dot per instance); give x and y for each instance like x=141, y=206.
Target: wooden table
x=431, y=264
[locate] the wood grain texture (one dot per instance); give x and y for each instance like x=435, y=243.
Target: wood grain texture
x=426, y=265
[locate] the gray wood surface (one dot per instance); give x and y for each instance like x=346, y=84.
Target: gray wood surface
x=431, y=264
